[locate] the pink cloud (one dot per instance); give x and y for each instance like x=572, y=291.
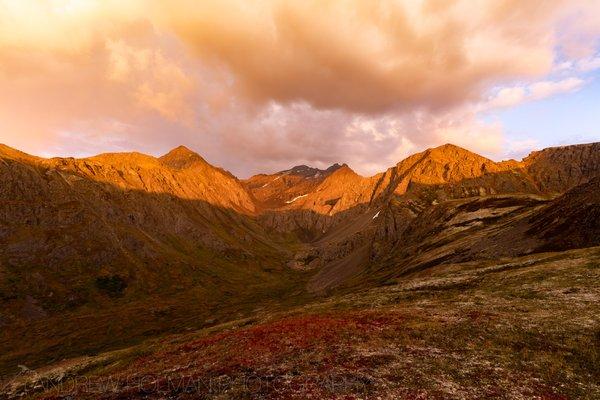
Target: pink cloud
x=263, y=85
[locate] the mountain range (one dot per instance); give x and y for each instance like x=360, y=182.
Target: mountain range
x=104, y=252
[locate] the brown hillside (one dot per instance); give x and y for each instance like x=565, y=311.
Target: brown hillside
x=557, y=169
x=571, y=221
x=91, y=242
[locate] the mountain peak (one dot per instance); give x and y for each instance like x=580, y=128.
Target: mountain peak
x=311, y=172
x=181, y=157
x=343, y=169
x=449, y=148
x=181, y=151
x=334, y=167
x=454, y=154
x=299, y=169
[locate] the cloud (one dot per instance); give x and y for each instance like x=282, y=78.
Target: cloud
x=281, y=136
x=259, y=85
x=543, y=89
x=508, y=97
x=369, y=56
x=513, y=96
x=159, y=83
x=589, y=64
x=579, y=29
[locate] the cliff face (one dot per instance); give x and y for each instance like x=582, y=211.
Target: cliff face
x=572, y=220
x=557, y=169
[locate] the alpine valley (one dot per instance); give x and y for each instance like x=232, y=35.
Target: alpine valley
x=448, y=275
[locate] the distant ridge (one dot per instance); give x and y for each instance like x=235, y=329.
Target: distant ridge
x=454, y=171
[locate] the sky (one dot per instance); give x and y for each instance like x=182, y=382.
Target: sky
x=262, y=85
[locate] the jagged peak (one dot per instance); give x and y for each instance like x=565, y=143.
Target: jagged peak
x=343, y=170
x=334, y=167
x=301, y=168
x=308, y=171
x=181, y=157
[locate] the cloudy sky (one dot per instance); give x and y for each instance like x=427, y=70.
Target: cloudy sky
x=263, y=85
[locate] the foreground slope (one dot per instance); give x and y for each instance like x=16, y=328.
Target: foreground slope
x=518, y=328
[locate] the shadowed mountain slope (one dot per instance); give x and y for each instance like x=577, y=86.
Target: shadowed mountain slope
x=90, y=242
x=572, y=220
x=519, y=328
x=557, y=169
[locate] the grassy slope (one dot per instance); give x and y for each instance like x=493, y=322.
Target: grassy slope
x=519, y=328
x=219, y=289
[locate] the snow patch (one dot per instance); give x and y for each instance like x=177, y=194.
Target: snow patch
x=296, y=198
x=376, y=215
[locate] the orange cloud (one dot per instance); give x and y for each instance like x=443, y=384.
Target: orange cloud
x=158, y=83
x=369, y=56
x=513, y=96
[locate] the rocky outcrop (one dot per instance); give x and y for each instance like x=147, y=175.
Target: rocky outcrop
x=557, y=169
x=571, y=221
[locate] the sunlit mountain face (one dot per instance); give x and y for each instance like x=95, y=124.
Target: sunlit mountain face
x=299, y=199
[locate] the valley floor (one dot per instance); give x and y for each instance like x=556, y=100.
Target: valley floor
x=524, y=328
